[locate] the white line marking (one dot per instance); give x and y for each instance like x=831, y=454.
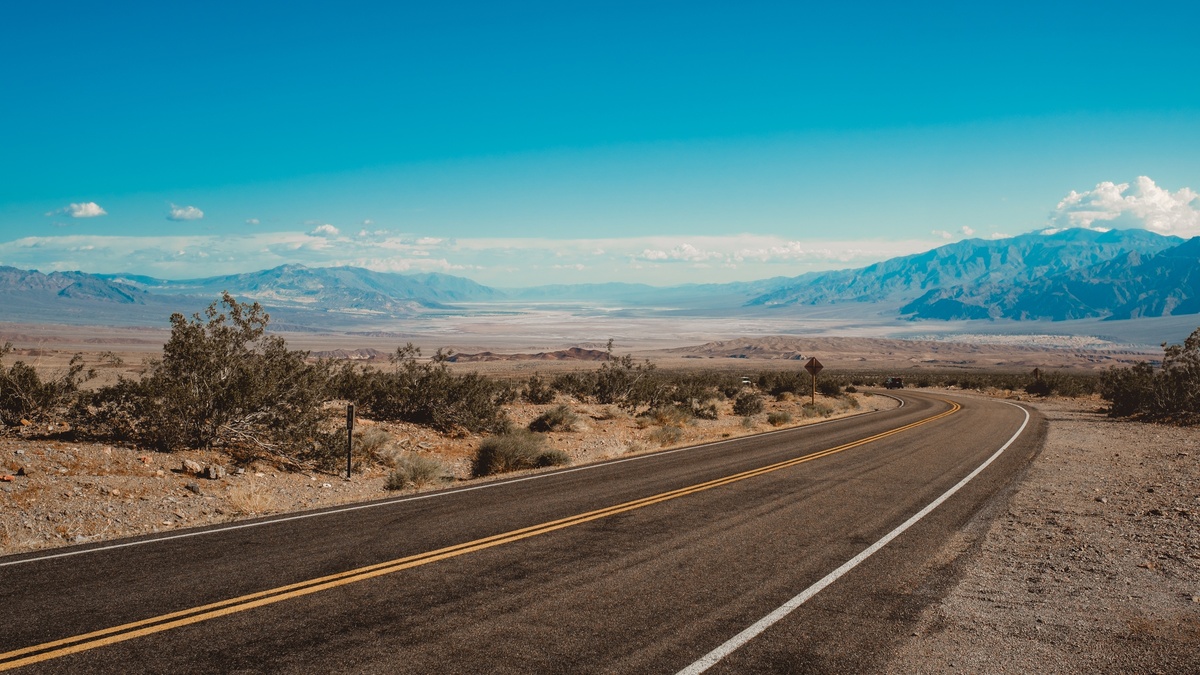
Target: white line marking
x=712, y=658
x=434, y=495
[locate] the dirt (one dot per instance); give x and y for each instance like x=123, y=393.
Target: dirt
x=1093, y=567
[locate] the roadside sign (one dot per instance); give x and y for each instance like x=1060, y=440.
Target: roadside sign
x=813, y=366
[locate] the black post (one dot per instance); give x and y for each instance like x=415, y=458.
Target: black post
x=349, y=436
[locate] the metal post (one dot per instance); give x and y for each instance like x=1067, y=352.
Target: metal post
x=814, y=390
x=349, y=437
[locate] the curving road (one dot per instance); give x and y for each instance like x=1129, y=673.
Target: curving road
x=704, y=558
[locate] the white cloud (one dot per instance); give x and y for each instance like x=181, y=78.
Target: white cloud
x=682, y=253
x=942, y=233
x=967, y=231
x=181, y=213
x=495, y=261
x=1141, y=204
x=81, y=210
x=252, y=221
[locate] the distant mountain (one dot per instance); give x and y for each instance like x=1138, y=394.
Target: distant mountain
x=1071, y=274
x=297, y=296
x=1131, y=285
x=328, y=288
x=968, y=264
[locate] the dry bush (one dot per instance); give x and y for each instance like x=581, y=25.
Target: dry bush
x=558, y=418
x=248, y=499
x=664, y=436
x=778, y=419
x=818, y=410
x=514, y=451
x=372, y=441
x=415, y=471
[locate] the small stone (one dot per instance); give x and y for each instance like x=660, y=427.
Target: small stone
x=260, y=475
x=326, y=485
x=192, y=487
x=115, y=492
x=191, y=467
x=214, y=471
x=1102, y=500
x=144, y=459
x=26, y=423
x=240, y=471
x=21, y=471
x=20, y=452
x=8, y=479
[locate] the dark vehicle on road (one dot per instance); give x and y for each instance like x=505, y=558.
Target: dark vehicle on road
x=893, y=383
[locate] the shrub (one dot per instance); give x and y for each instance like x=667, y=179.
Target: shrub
x=428, y=393
x=371, y=440
x=414, y=471
x=24, y=395
x=558, y=418
x=778, y=419
x=667, y=415
x=221, y=381
x=537, y=391
x=748, y=404
x=851, y=389
x=818, y=410
x=748, y=422
x=827, y=387
x=1038, y=388
x=514, y=451
x=665, y=436
x=1171, y=393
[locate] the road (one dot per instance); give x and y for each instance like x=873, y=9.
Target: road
x=642, y=565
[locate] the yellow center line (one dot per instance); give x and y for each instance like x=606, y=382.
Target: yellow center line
x=164, y=622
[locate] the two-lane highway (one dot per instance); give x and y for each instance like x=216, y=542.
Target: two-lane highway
x=654, y=563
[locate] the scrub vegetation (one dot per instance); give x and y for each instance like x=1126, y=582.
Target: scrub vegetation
x=223, y=382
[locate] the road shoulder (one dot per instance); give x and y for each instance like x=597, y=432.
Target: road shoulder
x=1093, y=566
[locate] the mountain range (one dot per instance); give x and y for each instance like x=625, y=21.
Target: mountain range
x=1069, y=274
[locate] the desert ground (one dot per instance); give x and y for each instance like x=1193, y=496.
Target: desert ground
x=1091, y=563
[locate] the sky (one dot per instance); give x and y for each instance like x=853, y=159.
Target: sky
x=520, y=144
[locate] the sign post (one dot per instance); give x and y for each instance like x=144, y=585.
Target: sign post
x=813, y=367
x=349, y=437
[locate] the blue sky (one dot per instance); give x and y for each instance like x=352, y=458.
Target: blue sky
x=530, y=143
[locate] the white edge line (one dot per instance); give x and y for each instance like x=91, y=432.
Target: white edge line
x=712, y=658
x=433, y=495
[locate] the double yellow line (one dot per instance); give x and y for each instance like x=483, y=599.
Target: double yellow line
x=129, y=631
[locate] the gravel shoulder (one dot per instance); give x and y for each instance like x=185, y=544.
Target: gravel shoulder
x=1094, y=566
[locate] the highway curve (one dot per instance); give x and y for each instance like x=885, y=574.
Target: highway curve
x=640, y=565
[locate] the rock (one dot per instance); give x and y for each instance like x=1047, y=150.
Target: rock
x=192, y=487
x=144, y=459
x=26, y=423
x=240, y=471
x=326, y=485
x=214, y=471
x=20, y=452
x=115, y=492
x=8, y=479
x=192, y=467
x=21, y=471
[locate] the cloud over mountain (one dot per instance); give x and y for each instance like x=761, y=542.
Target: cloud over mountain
x=1141, y=204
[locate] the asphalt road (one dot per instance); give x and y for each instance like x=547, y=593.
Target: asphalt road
x=643, y=565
